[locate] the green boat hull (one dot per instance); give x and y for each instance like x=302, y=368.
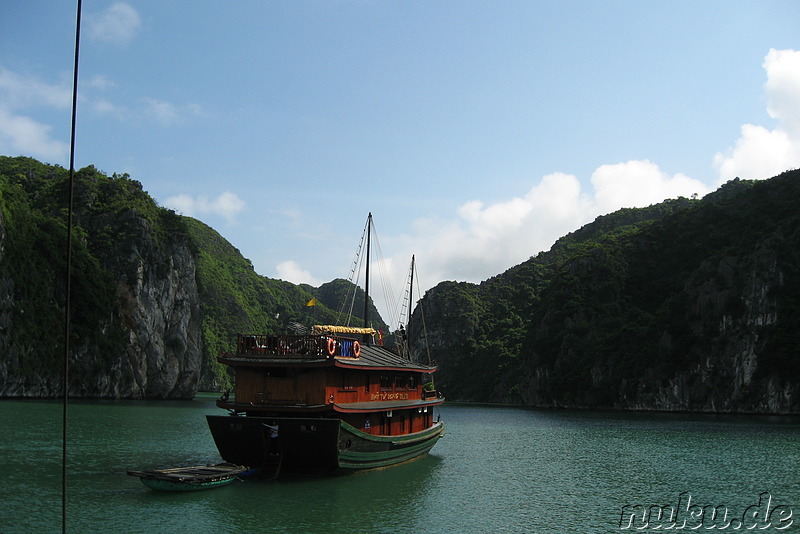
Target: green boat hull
x=192, y=478
x=359, y=450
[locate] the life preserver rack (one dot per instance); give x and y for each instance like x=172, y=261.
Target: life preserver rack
x=297, y=346
x=349, y=347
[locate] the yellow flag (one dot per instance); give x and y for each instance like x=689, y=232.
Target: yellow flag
x=312, y=302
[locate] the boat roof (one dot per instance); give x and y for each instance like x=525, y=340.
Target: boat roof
x=375, y=406
x=379, y=357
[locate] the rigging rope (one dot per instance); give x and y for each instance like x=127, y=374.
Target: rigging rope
x=355, y=275
x=355, y=272
x=386, y=286
x=406, y=306
x=424, y=326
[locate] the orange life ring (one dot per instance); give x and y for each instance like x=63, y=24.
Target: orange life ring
x=356, y=349
x=331, y=346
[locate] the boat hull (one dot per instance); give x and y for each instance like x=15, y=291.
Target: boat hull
x=193, y=478
x=316, y=446
x=359, y=450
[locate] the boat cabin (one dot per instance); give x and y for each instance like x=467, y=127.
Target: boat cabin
x=333, y=372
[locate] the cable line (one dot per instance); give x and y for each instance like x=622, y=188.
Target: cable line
x=68, y=274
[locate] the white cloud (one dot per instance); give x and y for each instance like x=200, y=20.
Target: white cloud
x=759, y=152
x=150, y=110
x=104, y=107
x=117, y=24
x=20, y=91
x=481, y=240
x=783, y=88
x=98, y=81
x=290, y=271
x=161, y=111
x=227, y=205
x=20, y=133
x=23, y=135
x=488, y=239
x=638, y=183
x=167, y=113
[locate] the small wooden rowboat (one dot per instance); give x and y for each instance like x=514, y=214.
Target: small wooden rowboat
x=192, y=478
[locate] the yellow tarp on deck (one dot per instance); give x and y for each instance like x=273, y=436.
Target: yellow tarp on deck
x=332, y=329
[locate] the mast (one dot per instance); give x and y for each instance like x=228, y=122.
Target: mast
x=406, y=334
x=410, y=294
x=367, y=338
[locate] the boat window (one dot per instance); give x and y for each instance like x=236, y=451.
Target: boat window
x=387, y=425
x=347, y=381
x=278, y=372
x=399, y=382
x=386, y=383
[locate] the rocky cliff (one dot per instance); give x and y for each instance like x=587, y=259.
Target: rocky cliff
x=155, y=296
x=135, y=308
x=159, y=309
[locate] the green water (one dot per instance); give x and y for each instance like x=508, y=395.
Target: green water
x=496, y=470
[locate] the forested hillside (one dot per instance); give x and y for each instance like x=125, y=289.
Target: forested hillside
x=155, y=295
x=687, y=305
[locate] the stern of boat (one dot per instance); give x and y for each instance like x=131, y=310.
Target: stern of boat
x=272, y=444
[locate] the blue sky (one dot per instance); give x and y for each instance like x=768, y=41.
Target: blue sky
x=477, y=133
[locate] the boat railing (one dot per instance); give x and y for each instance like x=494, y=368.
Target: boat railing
x=296, y=346
x=430, y=394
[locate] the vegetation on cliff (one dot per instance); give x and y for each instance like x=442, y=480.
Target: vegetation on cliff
x=33, y=266
x=131, y=278
x=686, y=305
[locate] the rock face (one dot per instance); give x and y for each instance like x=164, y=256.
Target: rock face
x=155, y=296
x=160, y=310
x=723, y=362
x=156, y=327
x=135, y=316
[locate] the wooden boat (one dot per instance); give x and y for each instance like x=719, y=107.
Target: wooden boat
x=192, y=478
x=326, y=402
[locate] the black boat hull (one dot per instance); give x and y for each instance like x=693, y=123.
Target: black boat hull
x=312, y=445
